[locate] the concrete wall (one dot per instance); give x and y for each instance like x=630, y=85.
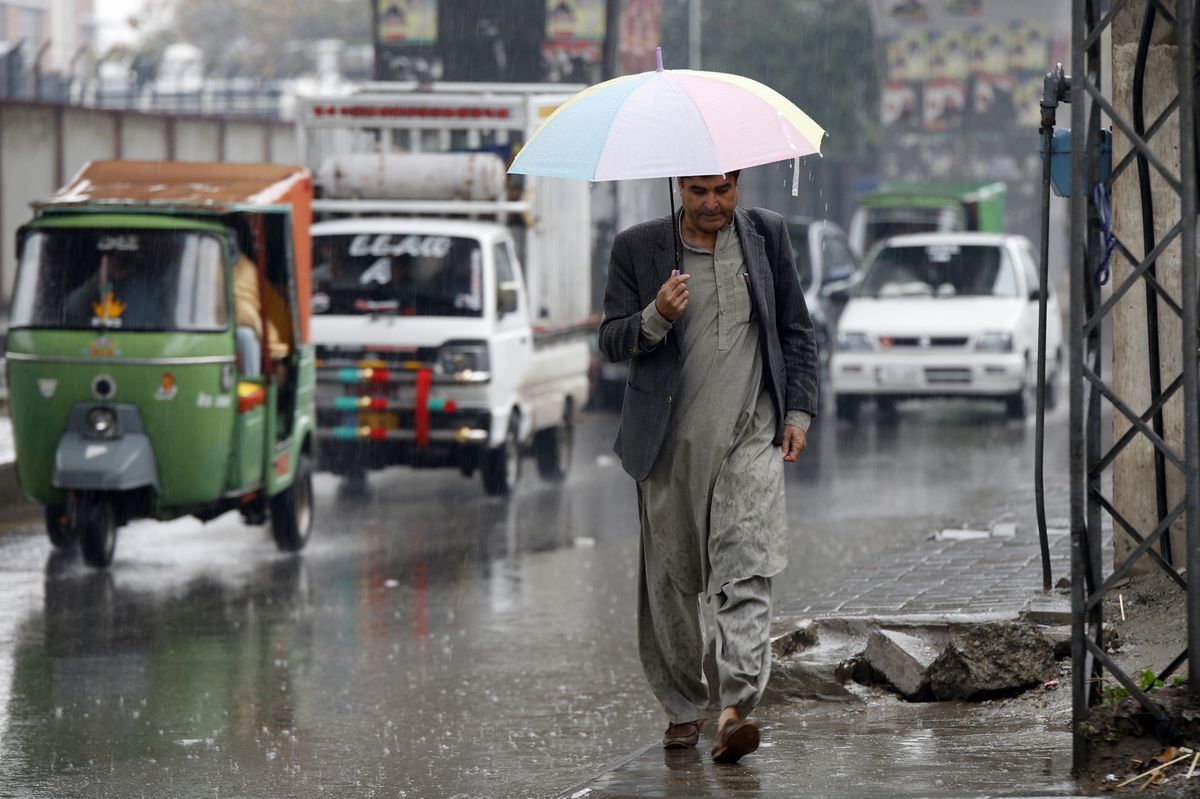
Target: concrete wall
x=1133, y=471
x=43, y=145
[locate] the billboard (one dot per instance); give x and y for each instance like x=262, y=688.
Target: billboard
x=407, y=22
x=974, y=64
x=574, y=30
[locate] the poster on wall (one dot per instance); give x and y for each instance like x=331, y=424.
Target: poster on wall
x=409, y=22
x=964, y=64
x=640, y=33
x=574, y=30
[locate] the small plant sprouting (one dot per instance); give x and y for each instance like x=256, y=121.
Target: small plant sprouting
x=1147, y=681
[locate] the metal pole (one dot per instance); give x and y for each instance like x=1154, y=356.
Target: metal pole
x=694, y=13
x=1191, y=379
x=1078, y=274
x=1039, y=483
x=1093, y=351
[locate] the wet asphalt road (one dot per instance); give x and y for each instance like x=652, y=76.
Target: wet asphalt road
x=430, y=641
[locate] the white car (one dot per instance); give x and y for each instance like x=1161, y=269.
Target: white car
x=946, y=315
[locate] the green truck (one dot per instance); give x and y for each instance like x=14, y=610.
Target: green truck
x=912, y=206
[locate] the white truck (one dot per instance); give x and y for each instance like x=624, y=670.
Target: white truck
x=451, y=302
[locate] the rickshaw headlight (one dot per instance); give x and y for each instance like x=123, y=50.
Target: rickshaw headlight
x=102, y=422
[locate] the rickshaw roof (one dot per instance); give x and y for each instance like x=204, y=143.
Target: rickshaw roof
x=201, y=186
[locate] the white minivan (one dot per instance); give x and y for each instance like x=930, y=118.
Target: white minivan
x=946, y=315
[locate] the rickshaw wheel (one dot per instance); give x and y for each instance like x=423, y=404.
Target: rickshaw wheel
x=96, y=525
x=292, y=510
x=58, y=527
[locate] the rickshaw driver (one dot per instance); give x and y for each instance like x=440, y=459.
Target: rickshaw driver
x=123, y=292
x=249, y=307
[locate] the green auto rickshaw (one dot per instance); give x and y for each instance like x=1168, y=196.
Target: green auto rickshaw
x=158, y=356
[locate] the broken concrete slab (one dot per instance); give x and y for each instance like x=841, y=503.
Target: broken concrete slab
x=802, y=636
x=1049, y=609
x=992, y=660
x=902, y=660
x=793, y=680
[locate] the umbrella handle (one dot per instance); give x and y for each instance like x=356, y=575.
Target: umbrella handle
x=674, y=228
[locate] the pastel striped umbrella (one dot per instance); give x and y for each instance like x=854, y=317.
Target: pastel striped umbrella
x=668, y=123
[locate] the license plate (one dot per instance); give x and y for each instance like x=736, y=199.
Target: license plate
x=898, y=375
x=378, y=420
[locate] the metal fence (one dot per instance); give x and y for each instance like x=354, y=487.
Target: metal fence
x=21, y=78
x=1094, y=392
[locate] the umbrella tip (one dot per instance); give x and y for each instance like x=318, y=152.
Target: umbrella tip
x=658, y=58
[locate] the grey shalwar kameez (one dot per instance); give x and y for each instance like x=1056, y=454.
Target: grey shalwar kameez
x=713, y=518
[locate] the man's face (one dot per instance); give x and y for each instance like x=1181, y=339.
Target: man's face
x=708, y=202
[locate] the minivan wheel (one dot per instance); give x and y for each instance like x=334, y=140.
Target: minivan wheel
x=501, y=467
x=553, y=448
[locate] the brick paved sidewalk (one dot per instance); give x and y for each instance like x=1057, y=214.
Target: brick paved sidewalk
x=998, y=574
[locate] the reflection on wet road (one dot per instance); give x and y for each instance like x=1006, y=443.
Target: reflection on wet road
x=431, y=641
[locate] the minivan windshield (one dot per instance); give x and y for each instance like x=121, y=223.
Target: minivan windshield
x=128, y=279
x=408, y=274
x=940, y=270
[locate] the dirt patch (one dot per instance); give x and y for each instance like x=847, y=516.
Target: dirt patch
x=1146, y=621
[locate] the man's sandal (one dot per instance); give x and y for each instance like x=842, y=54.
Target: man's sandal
x=734, y=741
x=682, y=736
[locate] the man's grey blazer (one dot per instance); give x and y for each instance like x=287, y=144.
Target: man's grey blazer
x=642, y=260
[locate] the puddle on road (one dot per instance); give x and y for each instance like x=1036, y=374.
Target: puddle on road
x=886, y=748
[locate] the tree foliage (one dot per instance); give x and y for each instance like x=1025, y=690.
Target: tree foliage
x=820, y=54
x=254, y=38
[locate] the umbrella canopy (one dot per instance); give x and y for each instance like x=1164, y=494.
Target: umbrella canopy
x=668, y=123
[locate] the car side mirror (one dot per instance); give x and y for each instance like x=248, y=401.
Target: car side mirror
x=839, y=273
x=836, y=292
x=1035, y=295
x=506, y=300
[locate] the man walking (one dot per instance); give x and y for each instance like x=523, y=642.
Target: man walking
x=722, y=381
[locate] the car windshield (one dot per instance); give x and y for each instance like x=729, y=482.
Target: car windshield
x=409, y=274
x=799, y=236
x=940, y=270
x=131, y=279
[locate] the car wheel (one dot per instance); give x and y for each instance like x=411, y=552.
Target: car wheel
x=94, y=523
x=501, y=466
x=886, y=411
x=553, y=448
x=1052, y=383
x=848, y=406
x=1018, y=404
x=292, y=510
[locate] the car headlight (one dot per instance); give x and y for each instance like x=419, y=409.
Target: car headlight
x=102, y=423
x=466, y=362
x=994, y=342
x=853, y=342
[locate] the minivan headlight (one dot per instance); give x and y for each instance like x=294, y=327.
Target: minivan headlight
x=853, y=342
x=464, y=362
x=994, y=342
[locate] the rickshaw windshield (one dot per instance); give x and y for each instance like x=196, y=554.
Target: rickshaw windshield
x=133, y=279
x=402, y=274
